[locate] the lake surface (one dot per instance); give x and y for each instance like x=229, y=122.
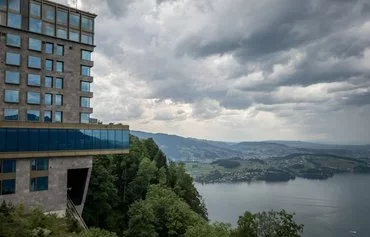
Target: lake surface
x=332, y=207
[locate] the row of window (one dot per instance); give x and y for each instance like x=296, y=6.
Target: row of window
x=12, y=96
x=8, y=186
x=34, y=116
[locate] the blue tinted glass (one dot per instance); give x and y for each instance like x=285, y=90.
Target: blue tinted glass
x=11, y=96
x=34, y=44
x=33, y=98
x=96, y=139
x=59, y=83
x=48, y=82
x=87, y=23
x=75, y=36
x=49, y=29
x=3, y=4
x=71, y=143
x=2, y=139
x=34, y=139
x=8, y=187
x=58, y=99
x=58, y=117
x=35, y=9
x=49, y=48
x=34, y=62
x=23, y=139
x=86, y=39
x=62, y=33
x=103, y=138
x=85, y=118
x=42, y=183
x=86, y=55
x=35, y=25
x=11, y=114
x=85, y=71
x=49, y=65
x=33, y=115
x=119, y=140
x=44, y=139
x=62, y=17
x=13, y=59
x=49, y=13
x=60, y=67
x=41, y=164
x=60, y=50
x=48, y=99
x=111, y=139
x=14, y=20
x=85, y=102
x=53, y=135
x=9, y=166
x=14, y=5
x=13, y=40
x=12, y=77
x=88, y=139
x=12, y=139
x=48, y=116
x=62, y=139
x=34, y=80
x=74, y=20
x=85, y=86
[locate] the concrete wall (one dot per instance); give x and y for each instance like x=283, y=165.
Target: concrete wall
x=55, y=198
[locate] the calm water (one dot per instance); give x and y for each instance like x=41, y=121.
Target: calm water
x=332, y=207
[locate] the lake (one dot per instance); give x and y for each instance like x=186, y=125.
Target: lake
x=332, y=207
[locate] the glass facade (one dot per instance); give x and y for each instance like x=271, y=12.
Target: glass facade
x=86, y=55
x=35, y=25
x=13, y=40
x=14, y=5
x=12, y=77
x=14, y=20
x=34, y=62
x=49, y=13
x=13, y=59
x=33, y=115
x=34, y=44
x=62, y=17
x=11, y=114
x=11, y=96
x=35, y=9
x=33, y=139
x=85, y=118
x=61, y=33
x=34, y=80
x=33, y=98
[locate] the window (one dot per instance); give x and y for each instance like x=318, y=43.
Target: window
x=11, y=96
x=74, y=20
x=49, y=29
x=7, y=166
x=60, y=66
x=2, y=18
x=85, y=86
x=33, y=115
x=48, y=99
x=61, y=33
x=7, y=186
x=33, y=98
x=13, y=40
x=12, y=77
x=74, y=35
x=34, y=80
x=62, y=17
x=14, y=5
x=49, y=65
x=49, y=48
x=11, y=114
x=14, y=20
x=86, y=55
x=34, y=62
x=40, y=165
x=58, y=117
x=35, y=25
x=85, y=118
x=87, y=23
x=85, y=102
x=48, y=13
x=85, y=71
x=35, y=9
x=60, y=50
x=13, y=59
x=59, y=83
x=59, y=100
x=3, y=4
x=86, y=39
x=48, y=82
x=34, y=44
x=39, y=184
x=48, y=116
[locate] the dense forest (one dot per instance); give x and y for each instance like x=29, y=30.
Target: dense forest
x=141, y=194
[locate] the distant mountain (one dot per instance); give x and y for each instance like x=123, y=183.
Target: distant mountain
x=191, y=149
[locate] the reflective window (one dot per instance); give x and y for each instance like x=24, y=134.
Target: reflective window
x=39, y=184
x=3, y=4
x=59, y=83
x=85, y=102
x=49, y=29
x=48, y=99
x=49, y=65
x=85, y=86
x=48, y=116
x=49, y=48
x=35, y=9
x=87, y=23
x=48, y=82
x=11, y=114
x=58, y=117
x=85, y=118
x=11, y=96
x=13, y=59
x=60, y=50
x=74, y=35
x=7, y=186
x=49, y=13
x=14, y=5
x=74, y=20
x=33, y=98
x=58, y=99
x=35, y=25
x=2, y=18
x=34, y=44
x=86, y=55
x=14, y=20
x=34, y=62
x=34, y=80
x=13, y=40
x=7, y=166
x=61, y=33
x=33, y=115
x=40, y=164
x=62, y=17
x=85, y=71
x=12, y=77
x=60, y=66
x=86, y=39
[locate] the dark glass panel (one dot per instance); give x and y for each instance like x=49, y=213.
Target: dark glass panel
x=42, y=183
x=23, y=139
x=42, y=164
x=88, y=139
x=2, y=139
x=71, y=143
x=62, y=138
x=12, y=139
x=43, y=140
x=96, y=139
x=8, y=187
x=34, y=139
x=111, y=139
x=9, y=166
x=53, y=136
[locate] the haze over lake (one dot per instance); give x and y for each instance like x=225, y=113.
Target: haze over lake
x=335, y=207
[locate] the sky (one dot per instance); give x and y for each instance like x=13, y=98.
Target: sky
x=234, y=70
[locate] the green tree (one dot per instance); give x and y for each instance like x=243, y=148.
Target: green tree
x=209, y=230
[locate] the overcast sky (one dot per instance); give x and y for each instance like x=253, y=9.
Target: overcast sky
x=235, y=69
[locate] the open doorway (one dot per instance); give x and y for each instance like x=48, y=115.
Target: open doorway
x=76, y=181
